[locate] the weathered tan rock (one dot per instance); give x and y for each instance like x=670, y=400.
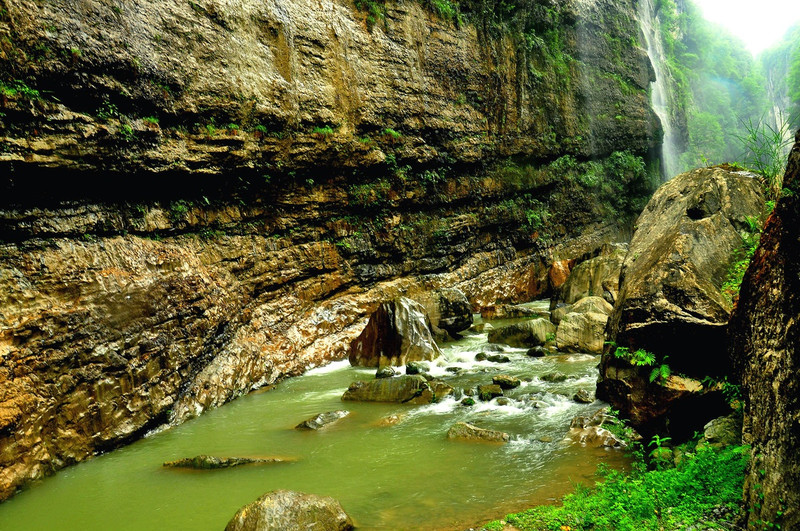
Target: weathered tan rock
x=406, y=389
x=582, y=332
x=670, y=300
x=529, y=333
x=592, y=305
x=284, y=510
x=508, y=311
x=149, y=272
x=447, y=309
x=596, y=277
x=469, y=432
x=765, y=348
x=505, y=381
x=397, y=333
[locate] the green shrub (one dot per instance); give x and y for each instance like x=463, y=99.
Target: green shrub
x=673, y=498
x=151, y=120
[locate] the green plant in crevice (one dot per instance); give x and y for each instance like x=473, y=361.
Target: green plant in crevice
x=18, y=88
x=661, y=373
x=741, y=259
x=323, y=131
x=126, y=132
x=638, y=358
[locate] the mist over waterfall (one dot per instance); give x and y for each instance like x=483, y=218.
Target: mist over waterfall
x=660, y=96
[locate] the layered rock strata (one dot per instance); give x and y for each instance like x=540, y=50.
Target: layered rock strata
x=201, y=198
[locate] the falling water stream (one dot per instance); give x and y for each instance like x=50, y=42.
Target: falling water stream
x=659, y=92
x=403, y=476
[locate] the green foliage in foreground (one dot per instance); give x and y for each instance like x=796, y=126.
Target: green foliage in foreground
x=674, y=498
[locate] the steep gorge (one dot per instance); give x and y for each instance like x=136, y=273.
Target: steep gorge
x=201, y=198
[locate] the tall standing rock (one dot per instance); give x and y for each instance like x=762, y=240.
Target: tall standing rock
x=398, y=332
x=447, y=309
x=765, y=346
x=670, y=300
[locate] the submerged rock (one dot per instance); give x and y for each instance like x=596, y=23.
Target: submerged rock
x=210, y=462
x=536, y=352
x=554, y=377
x=525, y=334
x=414, y=389
x=496, y=359
x=284, y=510
x=506, y=382
x=470, y=432
x=397, y=332
x=322, y=420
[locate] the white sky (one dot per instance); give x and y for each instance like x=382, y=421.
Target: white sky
x=759, y=23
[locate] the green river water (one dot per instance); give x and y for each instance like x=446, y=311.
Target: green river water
x=405, y=476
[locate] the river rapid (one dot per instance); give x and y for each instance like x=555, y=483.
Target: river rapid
x=402, y=476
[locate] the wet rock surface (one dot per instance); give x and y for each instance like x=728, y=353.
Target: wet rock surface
x=284, y=510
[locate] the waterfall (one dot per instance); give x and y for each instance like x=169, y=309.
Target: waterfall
x=660, y=97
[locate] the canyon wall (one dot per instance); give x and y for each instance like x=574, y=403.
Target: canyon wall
x=201, y=198
x=765, y=347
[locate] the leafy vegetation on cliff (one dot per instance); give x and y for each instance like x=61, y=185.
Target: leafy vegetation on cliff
x=718, y=85
x=705, y=487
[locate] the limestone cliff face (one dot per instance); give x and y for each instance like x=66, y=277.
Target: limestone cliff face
x=200, y=198
x=765, y=345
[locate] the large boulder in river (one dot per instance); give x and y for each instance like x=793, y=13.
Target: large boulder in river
x=398, y=332
x=447, y=309
x=670, y=299
x=525, y=334
x=406, y=389
x=596, y=277
x=584, y=328
x=285, y=510
x=765, y=346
